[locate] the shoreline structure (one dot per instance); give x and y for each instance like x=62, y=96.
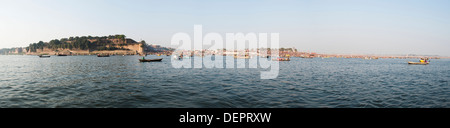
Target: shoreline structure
x=119, y=45
x=87, y=45
x=294, y=53
x=226, y=53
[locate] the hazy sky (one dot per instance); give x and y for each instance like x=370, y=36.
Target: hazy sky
x=325, y=26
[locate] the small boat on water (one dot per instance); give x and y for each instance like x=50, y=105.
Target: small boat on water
x=102, y=55
x=242, y=57
x=62, y=55
x=150, y=60
x=282, y=59
x=423, y=61
x=418, y=63
x=44, y=56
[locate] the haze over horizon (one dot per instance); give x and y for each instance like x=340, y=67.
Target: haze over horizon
x=323, y=26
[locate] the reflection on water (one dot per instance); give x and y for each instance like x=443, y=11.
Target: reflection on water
x=121, y=81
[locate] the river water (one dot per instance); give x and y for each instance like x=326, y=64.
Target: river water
x=124, y=82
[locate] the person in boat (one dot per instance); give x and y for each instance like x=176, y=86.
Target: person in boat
x=181, y=56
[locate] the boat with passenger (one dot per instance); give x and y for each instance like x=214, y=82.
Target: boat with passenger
x=44, y=56
x=419, y=63
x=150, y=60
x=282, y=59
x=287, y=58
x=423, y=61
x=242, y=57
x=102, y=55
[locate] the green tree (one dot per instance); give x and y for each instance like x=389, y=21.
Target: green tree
x=54, y=44
x=40, y=45
x=144, y=44
x=122, y=37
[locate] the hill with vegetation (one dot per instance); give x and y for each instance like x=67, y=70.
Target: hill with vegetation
x=12, y=51
x=89, y=43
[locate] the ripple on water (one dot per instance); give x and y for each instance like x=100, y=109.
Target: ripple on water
x=87, y=81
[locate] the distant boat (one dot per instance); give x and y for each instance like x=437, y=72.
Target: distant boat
x=242, y=57
x=306, y=57
x=150, y=60
x=62, y=55
x=418, y=63
x=102, y=55
x=281, y=59
x=44, y=56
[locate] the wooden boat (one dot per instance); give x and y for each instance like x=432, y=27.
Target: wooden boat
x=102, y=55
x=242, y=57
x=307, y=57
x=44, y=56
x=282, y=59
x=150, y=60
x=418, y=63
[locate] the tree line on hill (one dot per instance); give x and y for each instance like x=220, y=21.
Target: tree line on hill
x=5, y=51
x=80, y=43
